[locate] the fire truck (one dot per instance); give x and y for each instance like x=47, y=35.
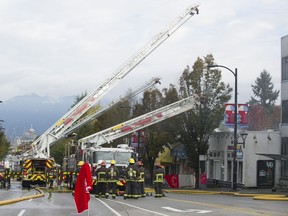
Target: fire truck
x=35, y=171
x=41, y=146
x=90, y=150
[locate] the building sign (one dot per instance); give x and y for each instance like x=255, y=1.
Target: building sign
x=242, y=116
x=265, y=172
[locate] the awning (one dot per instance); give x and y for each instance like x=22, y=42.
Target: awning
x=274, y=156
x=165, y=157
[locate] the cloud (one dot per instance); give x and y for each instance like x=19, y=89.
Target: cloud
x=62, y=48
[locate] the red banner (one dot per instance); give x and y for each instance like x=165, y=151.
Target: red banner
x=172, y=180
x=242, y=115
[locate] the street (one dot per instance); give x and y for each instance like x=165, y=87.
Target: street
x=173, y=204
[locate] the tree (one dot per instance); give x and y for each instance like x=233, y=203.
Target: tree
x=156, y=136
x=263, y=114
x=210, y=94
x=4, y=145
x=263, y=90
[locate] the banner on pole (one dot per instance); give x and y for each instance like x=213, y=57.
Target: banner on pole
x=242, y=115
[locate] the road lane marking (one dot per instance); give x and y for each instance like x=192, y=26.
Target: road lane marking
x=187, y=210
x=111, y=209
x=22, y=212
x=139, y=208
x=237, y=209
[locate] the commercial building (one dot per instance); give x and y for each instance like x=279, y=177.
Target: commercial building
x=284, y=109
x=263, y=160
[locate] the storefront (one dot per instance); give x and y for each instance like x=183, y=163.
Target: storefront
x=254, y=168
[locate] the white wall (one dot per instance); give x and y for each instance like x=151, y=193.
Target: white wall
x=260, y=145
x=221, y=143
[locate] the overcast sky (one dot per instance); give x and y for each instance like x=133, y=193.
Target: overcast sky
x=65, y=47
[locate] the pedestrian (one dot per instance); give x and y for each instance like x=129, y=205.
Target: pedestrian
x=141, y=179
x=131, y=174
x=158, y=176
x=112, y=179
x=101, y=176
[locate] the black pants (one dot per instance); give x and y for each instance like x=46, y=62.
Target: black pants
x=141, y=191
x=131, y=189
x=100, y=188
x=158, y=189
x=111, y=186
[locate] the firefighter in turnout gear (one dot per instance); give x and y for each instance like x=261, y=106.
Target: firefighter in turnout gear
x=101, y=175
x=131, y=174
x=158, y=174
x=112, y=178
x=141, y=179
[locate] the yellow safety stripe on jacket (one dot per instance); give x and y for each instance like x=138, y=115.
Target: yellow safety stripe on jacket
x=142, y=176
x=131, y=175
x=101, y=177
x=159, y=177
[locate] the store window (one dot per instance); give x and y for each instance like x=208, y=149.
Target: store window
x=285, y=111
x=211, y=169
x=285, y=68
x=240, y=172
x=229, y=170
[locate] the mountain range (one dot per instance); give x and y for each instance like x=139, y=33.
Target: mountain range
x=23, y=112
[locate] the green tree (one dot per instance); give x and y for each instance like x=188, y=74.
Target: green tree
x=210, y=94
x=263, y=113
x=4, y=145
x=156, y=136
x=264, y=92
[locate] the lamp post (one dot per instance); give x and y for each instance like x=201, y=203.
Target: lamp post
x=235, y=142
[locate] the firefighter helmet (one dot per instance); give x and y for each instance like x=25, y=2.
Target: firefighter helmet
x=131, y=160
x=80, y=163
x=103, y=163
x=112, y=162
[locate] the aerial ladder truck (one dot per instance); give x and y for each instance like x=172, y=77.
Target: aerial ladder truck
x=41, y=146
x=90, y=150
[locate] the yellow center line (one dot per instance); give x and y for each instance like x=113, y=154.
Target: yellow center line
x=236, y=209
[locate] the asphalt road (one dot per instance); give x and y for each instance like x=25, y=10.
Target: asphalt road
x=173, y=204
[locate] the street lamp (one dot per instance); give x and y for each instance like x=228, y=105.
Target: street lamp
x=234, y=182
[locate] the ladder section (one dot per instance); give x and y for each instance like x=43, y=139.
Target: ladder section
x=151, y=83
x=57, y=130
x=120, y=130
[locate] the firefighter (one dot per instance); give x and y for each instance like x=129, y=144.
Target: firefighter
x=112, y=178
x=131, y=175
x=101, y=176
x=158, y=175
x=141, y=191
x=51, y=181
x=1, y=180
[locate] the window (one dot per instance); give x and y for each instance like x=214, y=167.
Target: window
x=284, y=164
x=240, y=172
x=229, y=170
x=285, y=68
x=285, y=111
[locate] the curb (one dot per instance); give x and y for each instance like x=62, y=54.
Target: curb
x=272, y=197
x=5, y=202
